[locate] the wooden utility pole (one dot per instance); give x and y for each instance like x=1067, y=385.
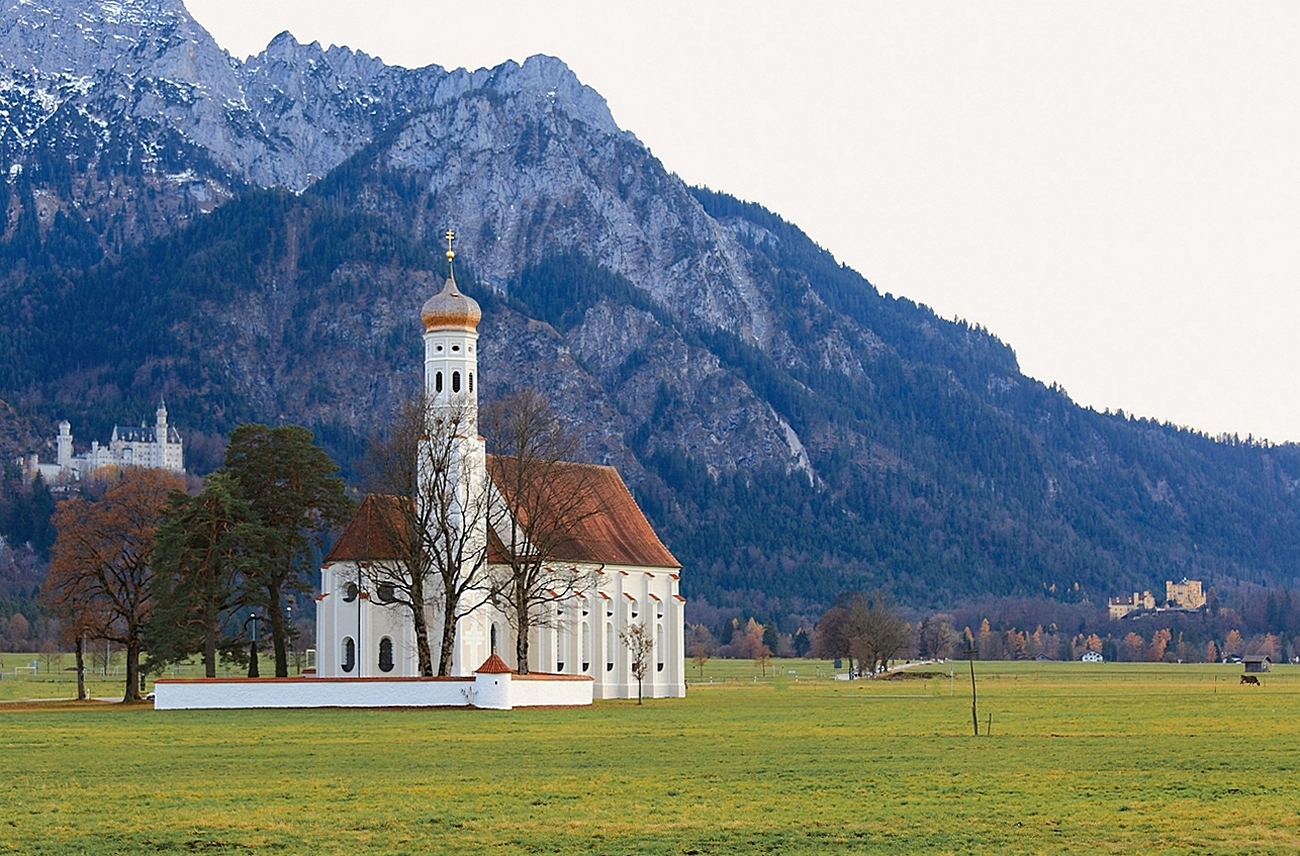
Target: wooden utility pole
x=974, y=711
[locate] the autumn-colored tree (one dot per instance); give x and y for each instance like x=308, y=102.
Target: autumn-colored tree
x=1159, y=642
x=1134, y=647
x=1233, y=645
x=1093, y=643
x=101, y=561
x=1035, y=646
x=1211, y=652
x=1017, y=644
x=1269, y=646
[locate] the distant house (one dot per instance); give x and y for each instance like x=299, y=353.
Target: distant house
x=1092, y=657
x=1257, y=662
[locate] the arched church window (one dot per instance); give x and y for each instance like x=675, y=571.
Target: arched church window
x=470, y=378
x=349, y=592
x=559, y=651
x=586, y=647
x=437, y=382
x=659, y=609
x=659, y=647
x=609, y=647
x=385, y=592
x=609, y=609
x=349, y=654
x=636, y=609
x=455, y=381
x=385, y=654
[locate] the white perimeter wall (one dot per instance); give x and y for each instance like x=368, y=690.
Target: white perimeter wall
x=234, y=693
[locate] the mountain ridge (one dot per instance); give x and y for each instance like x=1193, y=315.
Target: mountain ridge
x=791, y=431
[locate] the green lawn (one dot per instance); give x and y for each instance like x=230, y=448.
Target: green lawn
x=1082, y=759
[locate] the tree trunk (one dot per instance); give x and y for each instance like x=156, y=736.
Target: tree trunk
x=420, y=622
x=447, y=650
x=253, y=671
x=132, y=672
x=81, y=668
x=210, y=631
x=279, y=633
x=521, y=637
x=638, y=690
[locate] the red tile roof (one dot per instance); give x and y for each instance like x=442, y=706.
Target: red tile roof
x=611, y=529
x=493, y=665
x=373, y=533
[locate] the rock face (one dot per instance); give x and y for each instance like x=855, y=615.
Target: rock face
x=253, y=238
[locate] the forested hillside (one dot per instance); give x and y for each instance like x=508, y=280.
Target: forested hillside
x=791, y=431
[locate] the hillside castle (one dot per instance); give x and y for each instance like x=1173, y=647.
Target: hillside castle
x=158, y=447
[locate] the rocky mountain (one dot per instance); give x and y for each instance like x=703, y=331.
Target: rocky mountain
x=253, y=239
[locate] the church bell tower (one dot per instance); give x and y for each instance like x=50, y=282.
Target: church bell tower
x=451, y=344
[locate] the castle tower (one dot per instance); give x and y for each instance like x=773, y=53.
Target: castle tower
x=160, y=433
x=64, y=444
x=451, y=344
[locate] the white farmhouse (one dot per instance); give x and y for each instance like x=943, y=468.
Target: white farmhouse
x=633, y=577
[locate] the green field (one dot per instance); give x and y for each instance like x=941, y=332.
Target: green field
x=1125, y=758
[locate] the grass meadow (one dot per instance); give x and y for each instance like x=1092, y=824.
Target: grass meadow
x=1082, y=758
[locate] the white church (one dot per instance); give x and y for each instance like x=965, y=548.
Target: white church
x=633, y=578
x=366, y=645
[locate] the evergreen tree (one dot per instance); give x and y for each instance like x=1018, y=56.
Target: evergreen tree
x=203, y=546
x=297, y=500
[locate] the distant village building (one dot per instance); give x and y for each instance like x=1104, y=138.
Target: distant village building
x=1182, y=596
x=158, y=447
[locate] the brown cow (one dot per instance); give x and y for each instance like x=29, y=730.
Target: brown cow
x=1250, y=679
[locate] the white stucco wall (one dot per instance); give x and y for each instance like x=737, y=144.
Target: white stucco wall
x=487, y=691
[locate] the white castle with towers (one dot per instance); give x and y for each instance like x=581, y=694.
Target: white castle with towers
x=157, y=447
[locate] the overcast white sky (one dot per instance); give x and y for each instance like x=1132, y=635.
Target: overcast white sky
x=1113, y=188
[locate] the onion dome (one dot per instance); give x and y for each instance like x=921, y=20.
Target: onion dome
x=450, y=310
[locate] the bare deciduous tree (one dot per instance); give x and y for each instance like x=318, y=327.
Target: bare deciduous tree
x=937, y=636
x=640, y=644
x=435, y=523
x=538, y=503
x=876, y=633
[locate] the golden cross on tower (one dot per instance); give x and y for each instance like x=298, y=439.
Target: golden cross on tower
x=451, y=254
